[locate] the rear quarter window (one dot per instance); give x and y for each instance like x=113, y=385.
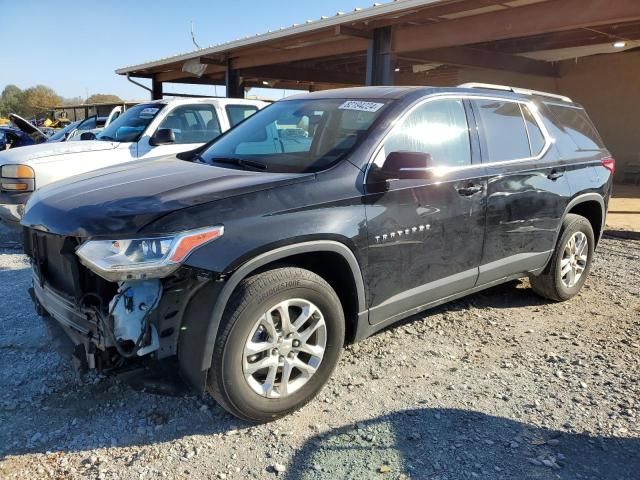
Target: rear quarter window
x=574, y=122
x=237, y=113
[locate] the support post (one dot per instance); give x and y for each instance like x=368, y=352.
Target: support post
x=380, y=67
x=233, y=82
x=156, y=89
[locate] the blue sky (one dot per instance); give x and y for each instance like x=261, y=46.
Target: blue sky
x=75, y=47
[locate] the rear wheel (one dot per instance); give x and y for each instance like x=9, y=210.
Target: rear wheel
x=279, y=341
x=571, y=261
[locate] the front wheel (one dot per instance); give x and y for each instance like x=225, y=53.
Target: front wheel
x=278, y=343
x=570, y=263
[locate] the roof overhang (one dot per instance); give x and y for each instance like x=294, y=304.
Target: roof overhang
x=429, y=39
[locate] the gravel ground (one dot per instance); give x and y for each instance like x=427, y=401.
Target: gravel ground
x=500, y=385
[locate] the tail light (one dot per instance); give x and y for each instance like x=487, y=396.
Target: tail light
x=610, y=164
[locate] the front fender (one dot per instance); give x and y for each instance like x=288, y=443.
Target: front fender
x=199, y=341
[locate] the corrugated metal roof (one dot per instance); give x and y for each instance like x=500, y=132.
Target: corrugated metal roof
x=357, y=15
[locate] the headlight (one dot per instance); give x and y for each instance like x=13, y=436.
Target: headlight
x=138, y=258
x=17, y=178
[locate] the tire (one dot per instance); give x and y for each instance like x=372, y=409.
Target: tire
x=550, y=283
x=250, y=304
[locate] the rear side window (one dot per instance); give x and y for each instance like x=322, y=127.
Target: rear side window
x=502, y=130
x=536, y=137
x=238, y=113
x=575, y=123
x=193, y=123
x=439, y=128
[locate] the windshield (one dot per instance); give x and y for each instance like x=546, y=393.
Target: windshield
x=129, y=126
x=296, y=136
x=59, y=135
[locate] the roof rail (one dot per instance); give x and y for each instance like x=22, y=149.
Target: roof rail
x=507, y=88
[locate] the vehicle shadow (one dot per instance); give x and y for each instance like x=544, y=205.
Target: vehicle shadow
x=461, y=444
x=514, y=294
x=622, y=234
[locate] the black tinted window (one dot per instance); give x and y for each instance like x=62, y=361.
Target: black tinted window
x=502, y=130
x=536, y=138
x=238, y=113
x=438, y=128
x=575, y=122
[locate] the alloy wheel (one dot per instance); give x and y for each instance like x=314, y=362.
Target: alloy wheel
x=574, y=259
x=284, y=348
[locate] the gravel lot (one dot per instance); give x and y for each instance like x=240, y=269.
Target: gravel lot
x=500, y=385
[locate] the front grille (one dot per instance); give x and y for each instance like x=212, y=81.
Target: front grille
x=55, y=263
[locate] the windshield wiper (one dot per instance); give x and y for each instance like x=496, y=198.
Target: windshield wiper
x=241, y=162
x=106, y=137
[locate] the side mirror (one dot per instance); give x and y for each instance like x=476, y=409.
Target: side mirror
x=404, y=165
x=87, y=136
x=163, y=136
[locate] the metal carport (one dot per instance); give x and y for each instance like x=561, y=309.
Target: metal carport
x=586, y=49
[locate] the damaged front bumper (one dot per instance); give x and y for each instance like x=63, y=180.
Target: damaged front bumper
x=141, y=322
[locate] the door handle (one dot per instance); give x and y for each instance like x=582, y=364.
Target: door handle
x=470, y=190
x=555, y=174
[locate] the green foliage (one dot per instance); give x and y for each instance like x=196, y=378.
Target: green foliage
x=11, y=100
x=103, y=98
x=39, y=99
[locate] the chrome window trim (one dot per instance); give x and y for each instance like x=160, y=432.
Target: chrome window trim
x=533, y=108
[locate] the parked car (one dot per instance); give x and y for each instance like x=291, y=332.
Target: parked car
x=144, y=131
x=94, y=125
x=317, y=222
x=62, y=134
x=11, y=137
x=21, y=133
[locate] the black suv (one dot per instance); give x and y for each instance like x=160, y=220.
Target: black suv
x=318, y=221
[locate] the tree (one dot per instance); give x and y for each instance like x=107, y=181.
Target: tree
x=11, y=100
x=39, y=99
x=103, y=98
x=73, y=101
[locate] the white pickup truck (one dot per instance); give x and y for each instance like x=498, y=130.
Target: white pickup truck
x=145, y=131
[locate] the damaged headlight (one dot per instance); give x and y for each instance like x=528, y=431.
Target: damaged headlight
x=139, y=258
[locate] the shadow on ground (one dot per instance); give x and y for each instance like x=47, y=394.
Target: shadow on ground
x=460, y=444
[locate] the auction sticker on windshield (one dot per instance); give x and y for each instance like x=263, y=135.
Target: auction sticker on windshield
x=361, y=106
x=149, y=112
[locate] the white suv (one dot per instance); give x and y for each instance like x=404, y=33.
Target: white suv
x=145, y=131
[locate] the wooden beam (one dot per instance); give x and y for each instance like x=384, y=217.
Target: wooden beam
x=280, y=72
x=200, y=81
x=352, y=32
x=473, y=57
x=178, y=74
x=172, y=75
x=283, y=56
x=432, y=12
x=568, y=39
x=535, y=19
x=213, y=61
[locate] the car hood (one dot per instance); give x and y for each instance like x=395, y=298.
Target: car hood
x=121, y=200
x=34, y=132
x=47, y=152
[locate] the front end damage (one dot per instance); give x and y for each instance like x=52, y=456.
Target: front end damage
x=114, y=326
